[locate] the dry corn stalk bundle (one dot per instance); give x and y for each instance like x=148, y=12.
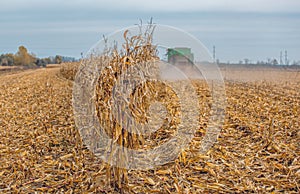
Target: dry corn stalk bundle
x=138, y=59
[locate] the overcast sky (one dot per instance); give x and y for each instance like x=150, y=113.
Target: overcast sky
x=254, y=29
x=159, y=5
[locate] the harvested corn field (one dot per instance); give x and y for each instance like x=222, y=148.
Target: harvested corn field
x=258, y=149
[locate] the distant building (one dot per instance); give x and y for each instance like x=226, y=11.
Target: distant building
x=180, y=56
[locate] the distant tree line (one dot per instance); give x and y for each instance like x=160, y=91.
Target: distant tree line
x=268, y=62
x=24, y=58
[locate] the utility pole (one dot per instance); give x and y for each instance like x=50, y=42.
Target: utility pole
x=286, y=57
x=280, y=62
x=214, y=53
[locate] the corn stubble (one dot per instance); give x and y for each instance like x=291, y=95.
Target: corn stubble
x=258, y=149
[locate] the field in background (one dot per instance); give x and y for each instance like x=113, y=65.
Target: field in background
x=9, y=69
x=258, y=149
x=260, y=73
x=6, y=70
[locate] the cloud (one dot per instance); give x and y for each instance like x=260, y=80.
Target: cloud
x=156, y=5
